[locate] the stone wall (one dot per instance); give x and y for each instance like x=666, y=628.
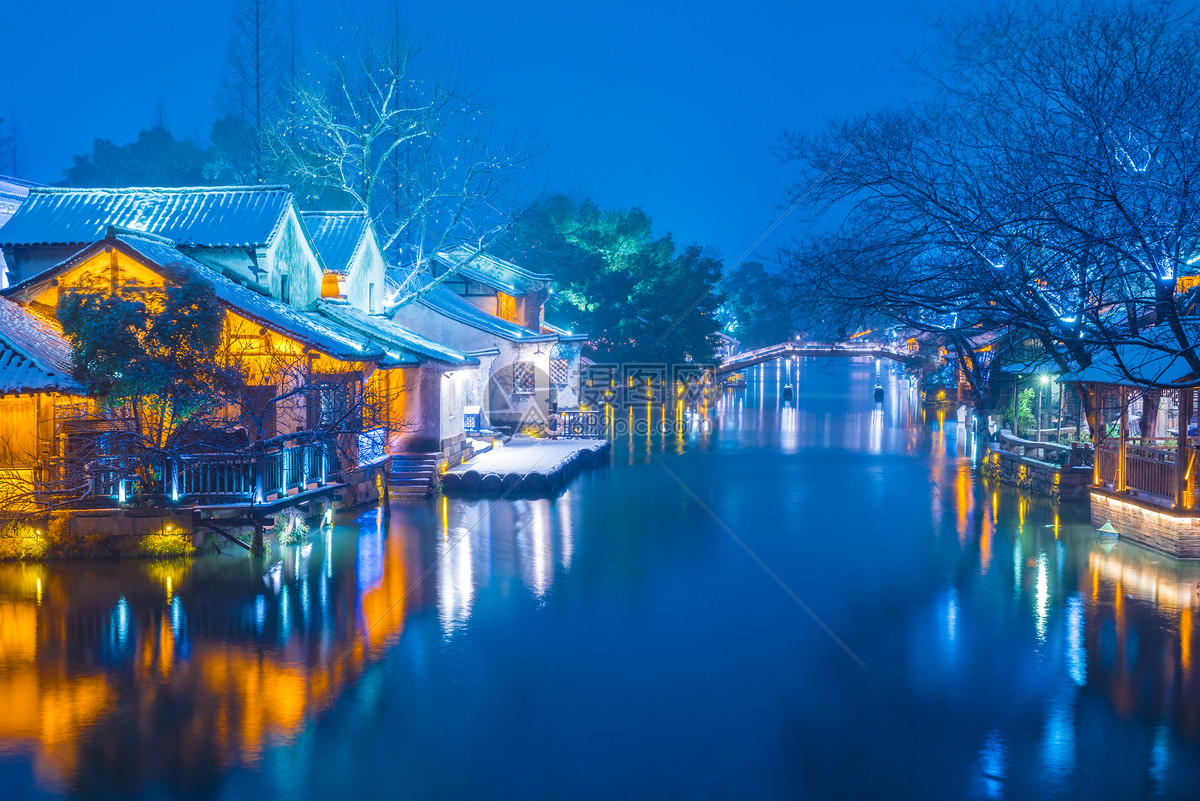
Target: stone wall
x=1042, y=478
x=364, y=485
x=1164, y=530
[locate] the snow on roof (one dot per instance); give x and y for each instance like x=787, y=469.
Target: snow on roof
x=565, y=335
x=230, y=216
x=501, y=275
x=13, y=192
x=307, y=327
x=1154, y=356
x=399, y=340
x=444, y=302
x=33, y=356
x=338, y=236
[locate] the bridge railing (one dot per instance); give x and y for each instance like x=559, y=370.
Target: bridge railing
x=769, y=352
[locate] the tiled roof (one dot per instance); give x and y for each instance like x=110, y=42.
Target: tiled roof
x=33, y=356
x=237, y=216
x=448, y=304
x=13, y=192
x=501, y=275
x=338, y=235
x=400, y=340
x=306, y=327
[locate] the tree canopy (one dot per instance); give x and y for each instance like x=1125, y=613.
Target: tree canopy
x=639, y=296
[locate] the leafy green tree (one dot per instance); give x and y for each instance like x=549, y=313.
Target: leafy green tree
x=638, y=296
x=758, y=310
x=153, y=354
x=156, y=158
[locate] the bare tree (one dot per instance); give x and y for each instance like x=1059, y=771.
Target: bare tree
x=253, y=75
x=1046, y=184
x=380, y=126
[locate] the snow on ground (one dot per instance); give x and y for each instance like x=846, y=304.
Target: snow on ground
x=525, y=455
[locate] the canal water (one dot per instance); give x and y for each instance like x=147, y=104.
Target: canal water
x=811, y=601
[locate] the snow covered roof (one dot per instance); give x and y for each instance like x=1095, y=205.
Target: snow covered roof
x=13, y=192
x=566, y=336
x=306, y=327
x=448, y=304
x=1154, y=357
x=309, y=328
x=33, y=356
x=231, y=216
x=338, y=236
x=403, y=346
x=501, y=275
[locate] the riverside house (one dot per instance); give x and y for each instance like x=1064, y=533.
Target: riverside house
x=329, y=387
x=493, y=310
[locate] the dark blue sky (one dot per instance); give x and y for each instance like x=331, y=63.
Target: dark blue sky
x=672, y=106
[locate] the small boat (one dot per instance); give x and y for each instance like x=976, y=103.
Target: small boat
x=787, y=393
x=879, y=393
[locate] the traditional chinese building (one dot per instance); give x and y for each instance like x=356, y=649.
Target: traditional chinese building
x=494, y=310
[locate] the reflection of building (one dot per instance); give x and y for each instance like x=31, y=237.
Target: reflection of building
x=183, y=671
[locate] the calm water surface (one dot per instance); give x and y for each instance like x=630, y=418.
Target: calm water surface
x=618, y=642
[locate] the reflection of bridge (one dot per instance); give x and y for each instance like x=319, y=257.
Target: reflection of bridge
x=740, y=361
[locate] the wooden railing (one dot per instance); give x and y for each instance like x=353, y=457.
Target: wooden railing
x=1149, y=469
x=218, y=475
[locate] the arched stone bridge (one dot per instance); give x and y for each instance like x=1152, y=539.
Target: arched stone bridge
x=741, y=361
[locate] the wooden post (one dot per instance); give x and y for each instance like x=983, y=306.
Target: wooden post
x=1121, y=483
x=1182, y=451
x=1016, y=421
x=257, y=547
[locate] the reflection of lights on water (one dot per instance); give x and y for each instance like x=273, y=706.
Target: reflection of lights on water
x=284, y=616
x=1160, y=758
x=1076, y=655
x=952, y=614
x=369, y=560
x=39, y=591
x=1017, y=567
x=991, y=764
x=260, y=613
x=121, y=622
x=542, y=561
x=176, y=616
x=1041, y=598
x=456, y=580
x=1058, y=745
x=565, y=507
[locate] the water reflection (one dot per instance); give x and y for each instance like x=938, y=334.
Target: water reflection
x=1011, y=653
x=130, y=674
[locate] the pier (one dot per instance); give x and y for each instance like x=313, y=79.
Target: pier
x=526, y=466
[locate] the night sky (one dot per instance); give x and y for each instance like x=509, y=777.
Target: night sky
x=670, y=106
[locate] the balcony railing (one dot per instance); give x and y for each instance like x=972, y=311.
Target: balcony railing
x=1149, y=469
x=581, y=424
x=217, y=476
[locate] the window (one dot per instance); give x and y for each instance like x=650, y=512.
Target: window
x=524, y=381
x=284, y=289
x=371, y=298
x=506, y=307
x=559, y=370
